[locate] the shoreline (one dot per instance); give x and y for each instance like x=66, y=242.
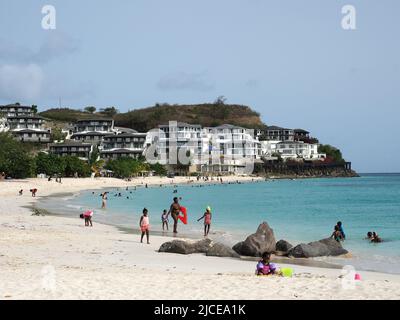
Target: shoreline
x=308, y=262
x=105, y=263
x=168, y=237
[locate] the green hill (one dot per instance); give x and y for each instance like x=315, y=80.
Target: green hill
x=67, y=114
x=204, y=114
x=208, y=114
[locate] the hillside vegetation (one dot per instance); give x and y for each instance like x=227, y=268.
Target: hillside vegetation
x=208, y=114
x=67, y=115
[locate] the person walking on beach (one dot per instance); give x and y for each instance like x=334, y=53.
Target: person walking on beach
x=164, y=220
x=144, y=225
x=207, y=221
x=174, y=210
x=104, y=200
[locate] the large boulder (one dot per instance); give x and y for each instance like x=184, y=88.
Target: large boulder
x=176, y=246
x=221, y=250
x=324, y=247
x=258, y=243
x=202, y=246
x=283, y=246
x=186, y=247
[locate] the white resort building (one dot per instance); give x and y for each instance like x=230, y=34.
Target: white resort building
x=72, y=148
x=92, y=130
x=229, y=149
x=222, y=149
x=123, y=145
x=23, y=124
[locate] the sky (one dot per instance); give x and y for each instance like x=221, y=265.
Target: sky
x=289, y=60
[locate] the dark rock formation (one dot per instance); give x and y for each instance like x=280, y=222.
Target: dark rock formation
x=202, y=246
x=324, y=247
x=258, y=243
x=221, y=250
x=283, y=246
x=186, y=247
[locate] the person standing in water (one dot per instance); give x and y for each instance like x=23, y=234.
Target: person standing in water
x=103, y=200
x=174, y=212
x=340, y=225
x=145, y=225
x=164, y=220
x=207, y=221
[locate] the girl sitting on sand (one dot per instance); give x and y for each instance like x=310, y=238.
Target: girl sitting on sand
x=144, y=225
x=265, y=267
x=207, y=221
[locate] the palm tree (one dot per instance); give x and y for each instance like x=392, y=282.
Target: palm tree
x=96, y=164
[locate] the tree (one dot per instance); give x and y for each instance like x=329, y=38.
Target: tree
x=15, y=161
x=90, y=109
x=95, y=163
x=220, y=100
x=126, y=167
x=75, y=165
x=110, y=111
x=158, y=169
x=331, y=152
x=57, y=134
x=34, y=108
x=49, y=164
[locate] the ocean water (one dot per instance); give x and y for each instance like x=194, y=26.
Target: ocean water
x=298, y=211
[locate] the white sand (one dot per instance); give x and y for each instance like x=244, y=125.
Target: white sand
x=57, y=258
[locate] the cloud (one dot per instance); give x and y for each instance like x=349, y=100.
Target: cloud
x=54, y=46
x=22, y=75
x=59, y=86
x=185, y=81
x=10, y=52
x=21, y=82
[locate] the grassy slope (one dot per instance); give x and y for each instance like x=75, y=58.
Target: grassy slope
x=148, y=118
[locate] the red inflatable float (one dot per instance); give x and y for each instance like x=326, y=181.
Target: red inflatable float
x=184, y=217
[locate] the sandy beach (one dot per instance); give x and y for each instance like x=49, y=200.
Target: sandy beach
x=48, y=257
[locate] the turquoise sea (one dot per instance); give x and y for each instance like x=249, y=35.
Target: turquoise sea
x=298, y=211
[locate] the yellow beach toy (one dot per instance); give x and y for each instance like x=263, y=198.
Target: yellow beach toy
x=287, y=272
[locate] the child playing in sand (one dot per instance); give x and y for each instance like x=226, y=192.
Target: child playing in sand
x=207, y=221
x=144, y=225
x=87, y=215
x=164, y=220
x=265, y=267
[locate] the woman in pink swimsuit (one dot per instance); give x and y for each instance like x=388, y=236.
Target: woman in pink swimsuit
x=145, y=225
x=207, y=221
